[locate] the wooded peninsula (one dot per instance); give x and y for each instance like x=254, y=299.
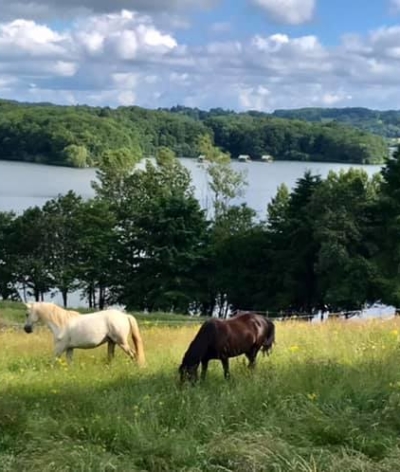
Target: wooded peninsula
x=79, y=136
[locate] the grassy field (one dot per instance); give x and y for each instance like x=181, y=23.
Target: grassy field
x=327, y=399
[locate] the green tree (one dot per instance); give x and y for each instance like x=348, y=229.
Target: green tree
x=344, y=211
x=388, y=229
x=225, y=183
x=242, y=264
x=113, y=168
x=95, y=263
x=293, y=248
x=159, y=239
x=8, y=267
x=236, y=245
x=76, y=156
x=81, y=135
x=165, y=156
x=32, y=245
x=277, y=210
x=60, y=217
x=212, y=153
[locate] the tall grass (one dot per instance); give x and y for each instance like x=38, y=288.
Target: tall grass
x=327, y=399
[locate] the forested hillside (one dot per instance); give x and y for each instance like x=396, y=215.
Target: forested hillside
x=384, y=123
x=80, y=135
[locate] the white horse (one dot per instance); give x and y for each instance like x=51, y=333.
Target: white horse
x=72, y=330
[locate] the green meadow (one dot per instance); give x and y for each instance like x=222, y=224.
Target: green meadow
x=327, y=399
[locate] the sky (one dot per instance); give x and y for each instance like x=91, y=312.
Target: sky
x=238, y=54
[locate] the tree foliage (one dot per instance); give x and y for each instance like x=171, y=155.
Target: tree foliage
x=384, y=123
x=81, y=136
x=145, y=242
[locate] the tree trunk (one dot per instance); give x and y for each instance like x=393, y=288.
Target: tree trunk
x=101, y=298
x=24, y=292
x=90, y=298
x=90, y=292
x=94, y=297
x=64, y=297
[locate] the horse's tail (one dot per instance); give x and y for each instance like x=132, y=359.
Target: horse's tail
x=137, y=340
x=267, y=345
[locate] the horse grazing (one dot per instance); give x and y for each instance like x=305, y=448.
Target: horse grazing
x=72, y=330
x=244, y=333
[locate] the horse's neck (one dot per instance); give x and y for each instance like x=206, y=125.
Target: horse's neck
x=54, y=328
x=54, y=323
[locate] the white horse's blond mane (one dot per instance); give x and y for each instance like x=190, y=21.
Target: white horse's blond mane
x=51, y=312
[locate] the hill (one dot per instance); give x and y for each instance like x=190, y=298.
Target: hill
x=383, y=123
x=80, y=135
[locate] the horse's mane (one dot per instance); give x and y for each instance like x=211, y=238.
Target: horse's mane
x=200, y=344
x=51, y=312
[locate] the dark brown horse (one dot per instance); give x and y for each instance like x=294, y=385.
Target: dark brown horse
x=244, y=333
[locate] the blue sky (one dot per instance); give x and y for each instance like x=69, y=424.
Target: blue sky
x=331, y=19
x=242, y=54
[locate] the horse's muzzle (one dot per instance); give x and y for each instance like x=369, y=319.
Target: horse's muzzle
x=28, y=329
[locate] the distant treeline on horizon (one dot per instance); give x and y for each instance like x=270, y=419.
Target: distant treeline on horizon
x=80, y=135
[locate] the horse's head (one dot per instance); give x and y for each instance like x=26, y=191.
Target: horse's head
x=31, y=317
x=188, y=373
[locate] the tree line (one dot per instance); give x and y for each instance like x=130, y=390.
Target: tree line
x=384, y=123
x=144, y=241
x=78, y=136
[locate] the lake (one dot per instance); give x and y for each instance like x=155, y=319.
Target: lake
x=23, y=185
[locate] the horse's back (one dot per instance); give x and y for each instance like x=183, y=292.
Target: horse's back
x=96, y=328
x=243, y=332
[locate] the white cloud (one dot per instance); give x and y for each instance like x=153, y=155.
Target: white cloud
x=125, y=34
x=125, y=79
x=127, y=58
x=43, y=9
x=65, y=68
x=6, y=82
x=25, y=37
x=293, y=12
x=126, y=98
x=281, y=42
x=330, y=99
x=254, y=98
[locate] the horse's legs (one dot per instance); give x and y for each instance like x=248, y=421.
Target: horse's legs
x=204, y=366
x=128, y=350
x=251, y=356
x=225, y=365
x=122, y=341
x=69, y=354
x=110, y=350
x=252, y=360
x=59, y=348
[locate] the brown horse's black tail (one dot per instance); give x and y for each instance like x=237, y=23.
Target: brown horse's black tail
x=270, y=340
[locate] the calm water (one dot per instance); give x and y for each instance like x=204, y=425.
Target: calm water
x=23, y=185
